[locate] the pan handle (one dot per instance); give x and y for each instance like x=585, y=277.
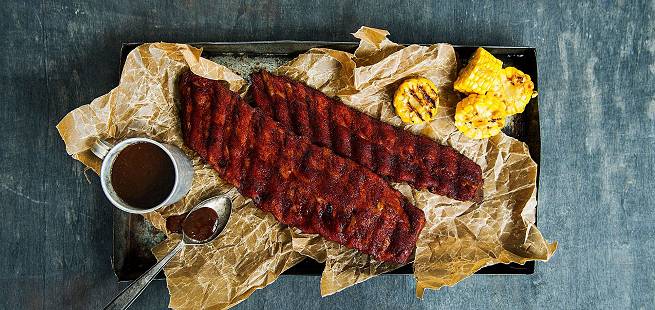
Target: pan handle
x=100, y=148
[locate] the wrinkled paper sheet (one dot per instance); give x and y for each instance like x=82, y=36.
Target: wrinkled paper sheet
x=459, y=238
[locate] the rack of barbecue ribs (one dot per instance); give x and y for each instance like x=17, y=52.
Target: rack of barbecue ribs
x=391, y=152
x=302, y=184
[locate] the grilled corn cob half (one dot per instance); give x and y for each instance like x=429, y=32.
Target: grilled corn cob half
x=481, y=74
x=416, y=100
x=480, y=116
x=516, y=89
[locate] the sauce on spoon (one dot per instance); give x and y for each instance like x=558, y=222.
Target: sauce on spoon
x=198, y=225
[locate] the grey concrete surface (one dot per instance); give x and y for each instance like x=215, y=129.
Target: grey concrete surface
x=597, y=99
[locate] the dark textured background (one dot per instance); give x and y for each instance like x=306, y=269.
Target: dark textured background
x=597, y=101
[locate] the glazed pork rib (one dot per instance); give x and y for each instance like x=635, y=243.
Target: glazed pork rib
x=391, y=152
x=301, y=184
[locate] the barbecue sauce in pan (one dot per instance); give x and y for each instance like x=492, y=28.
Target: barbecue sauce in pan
x=143, y=175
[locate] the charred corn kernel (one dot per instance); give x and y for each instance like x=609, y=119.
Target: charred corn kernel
x=516, y=89
x=481, y=75
x=416, y=100
x=480, y=116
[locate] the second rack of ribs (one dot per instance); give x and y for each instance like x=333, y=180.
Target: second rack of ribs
x=391, y=152
x=301, y=184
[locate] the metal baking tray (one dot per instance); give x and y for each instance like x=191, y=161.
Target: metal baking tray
x=134, y=237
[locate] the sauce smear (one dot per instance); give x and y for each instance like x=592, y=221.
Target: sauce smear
x=143, y=175
x=174, y=223
x=200, y=224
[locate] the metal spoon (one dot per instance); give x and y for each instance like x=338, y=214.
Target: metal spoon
x=223, y=207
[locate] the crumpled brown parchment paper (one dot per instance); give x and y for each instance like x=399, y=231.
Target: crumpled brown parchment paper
x=459, y=237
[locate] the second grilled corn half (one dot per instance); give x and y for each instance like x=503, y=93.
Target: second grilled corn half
x=480, y=116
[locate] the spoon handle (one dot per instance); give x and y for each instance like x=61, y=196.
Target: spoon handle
x=130, y=293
